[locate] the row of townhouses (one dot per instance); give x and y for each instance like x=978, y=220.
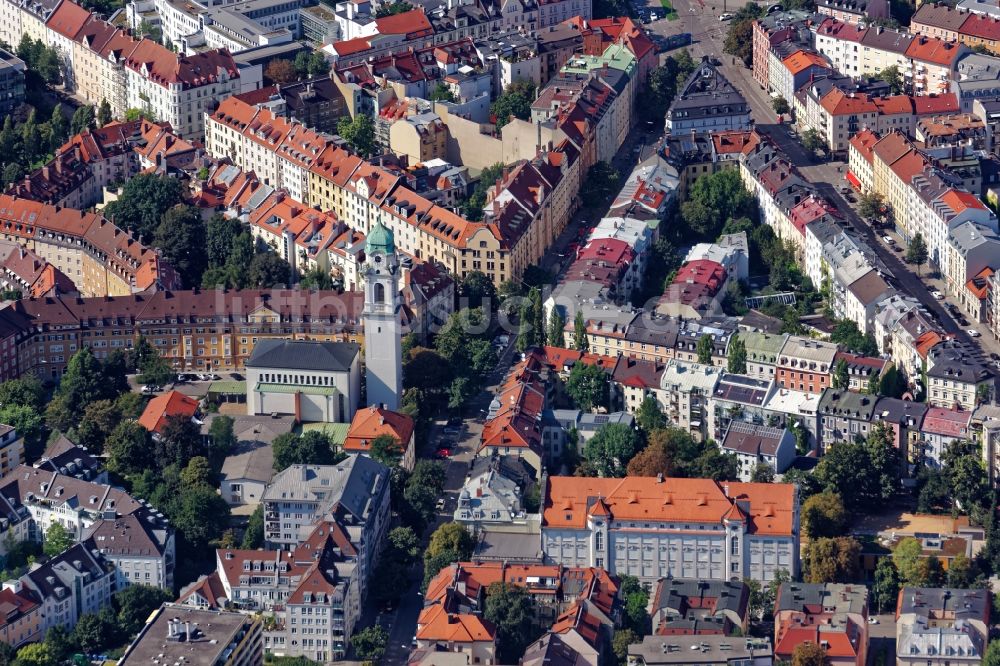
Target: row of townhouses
x=103, y=62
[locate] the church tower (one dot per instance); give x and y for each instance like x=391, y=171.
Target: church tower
x=383, y=346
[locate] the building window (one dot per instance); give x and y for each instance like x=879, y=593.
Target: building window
x=734, y=546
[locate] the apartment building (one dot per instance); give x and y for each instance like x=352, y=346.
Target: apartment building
x=200, y=636
x=11, y=82
x=356, y=491
x=707, y=102
x=100, y=258
x=844, y=416
x=754, y=445
x=955, y=378
x=805, y=364
x=203, y=330
x=696, y=529
x=74, y=583
x=128, y=533
x=831, y=615
x=22, y=621
x=941, y=625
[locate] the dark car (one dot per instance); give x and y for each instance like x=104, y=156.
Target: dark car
x=995, y=356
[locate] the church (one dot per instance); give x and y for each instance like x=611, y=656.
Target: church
x=321, y=381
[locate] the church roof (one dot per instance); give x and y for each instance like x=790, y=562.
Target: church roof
x=380, y=239
x=304, y=355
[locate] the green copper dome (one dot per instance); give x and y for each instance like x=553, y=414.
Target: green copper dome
x=380, y=240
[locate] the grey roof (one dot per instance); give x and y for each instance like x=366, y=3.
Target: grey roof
x=831, y=597
x=551, y=650
x=965, y=604
x=215, y=632
x=687, y=603
x=509, y=547
x=514, y=468
x=55, y=577
x=742, y=389
x=707, y=92
x=356, y=484
x=304, y=355
x=940, y=16
x=887, y=40
x=699, y=649
x=955, y=361
x=65, y=457
x=969, y=235
x=251, y=460
x=847, y=404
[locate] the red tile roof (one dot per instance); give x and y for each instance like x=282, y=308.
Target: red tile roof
x=982, y=26
x=568, y=500
x=374, y=421
x=164, y=67
x=935, y=104
x=802, y=60
x=946, y=422
x=413, y=24
x=960, y=200
x=68, y=19
x=162, y=407
x=838, y=103
x=864, y=142
x=933, y=50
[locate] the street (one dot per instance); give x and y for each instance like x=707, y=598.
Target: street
x=701, y=19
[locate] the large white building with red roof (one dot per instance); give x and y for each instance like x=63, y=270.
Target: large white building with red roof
x=655, y=528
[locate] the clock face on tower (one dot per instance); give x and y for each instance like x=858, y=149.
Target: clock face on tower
x=377, y=259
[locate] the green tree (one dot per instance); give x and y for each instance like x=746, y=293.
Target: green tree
x=94, y=632
x=650, y=417
x=611, y=448
x=223, y=439
x=472, y=208
x=442, y=93
x=832, y=560
x=143, y=202
x=712, y=200
x=823, y=515
x=58, y=126
x=762, y=473
x=359, y=132
x=387, y=450
x=885, y=588
x=992, y=656
x=253, y=537
x=310, y=448
x=841, y=377
x=620, y=642
x=739, y=37
x=197, y=472
x=104, y=114
x=83, y=383
x=514, y=102
x=453, y=538
x=557, y=324
x=396, y=7
x=663, y=83
x=178, y=441
x=780, y=105
x=580, y=339
x=57, y=539
x=27, y=391
x=133, y=605
x=83, y=119
x=369, y=644
x=181, y=238
x=871, y=205
x=268, y=270
x=737, y=355
x=477, y=290
x=220, y=234
x=587, y=386
x=128, y=448
x=36, y=654
x=906, y=556
x=28, y=423
x=201, y=516
x=511, y=610
x=812, y=141
x=892, y=76
x=846, y=333
x=809, y=654
x=705, y=349
x=916, y=252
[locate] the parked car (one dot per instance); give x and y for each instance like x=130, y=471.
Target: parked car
x=973, y=333
x=151, y=388
x=888, y=240
x=442, y=454
x=937, y=294
x=440, y=504
x=872, y=619
x=726, y=17
x=995, y=356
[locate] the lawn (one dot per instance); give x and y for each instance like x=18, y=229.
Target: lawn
x=671, y=14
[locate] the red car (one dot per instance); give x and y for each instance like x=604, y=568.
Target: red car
x=443, y=453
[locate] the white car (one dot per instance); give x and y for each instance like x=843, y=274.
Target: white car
x=440, y=504
x=872, y=620
x=888, y=240
x=937, y=294
x=973, y=333
x=726, y=17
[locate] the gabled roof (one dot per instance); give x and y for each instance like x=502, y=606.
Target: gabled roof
x=68, y=19
x=304, y=355
x=163, y=407
x=375, y=421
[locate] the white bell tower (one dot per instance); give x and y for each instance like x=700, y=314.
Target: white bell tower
x=383, y=345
